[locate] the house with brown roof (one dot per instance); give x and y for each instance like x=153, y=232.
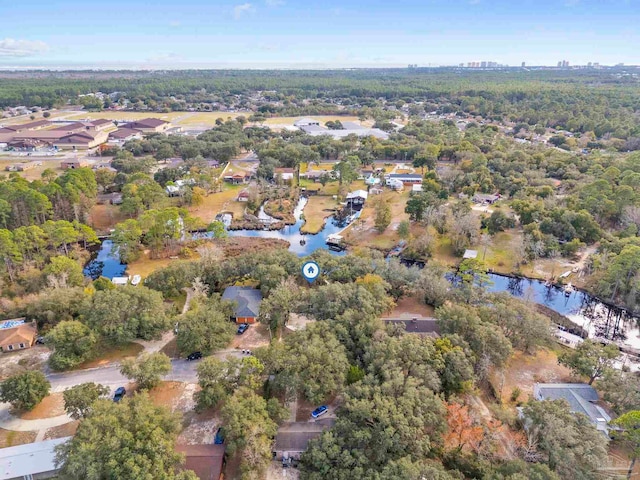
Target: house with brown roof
x=16, y=334
x=149, y=125
x=206, y=461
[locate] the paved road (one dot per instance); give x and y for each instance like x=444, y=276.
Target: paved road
x=110, y=376
x=182, y=371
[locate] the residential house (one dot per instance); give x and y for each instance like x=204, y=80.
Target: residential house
x=247, y=302
x=206, y=461
x=243, y=196
x=293, y=438
x=149, y=125
x=405, y=178
x=395, y=184
x=416, y=188
x=30, y=461
x=486, y=198
x=306, y=122
x=316, y=175
x=114, y=198
x=72, y=163
x=372, y=180
x=582, y=398
x=17, y=334
x=237, y=178
x=285, y=173
x=425, y=326
x=357, y=199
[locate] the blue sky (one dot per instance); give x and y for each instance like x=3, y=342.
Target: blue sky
x=315, y=33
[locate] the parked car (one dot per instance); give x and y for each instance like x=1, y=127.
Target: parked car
x=243, y=327
x=194, y=356
x=321, y=410
x=219, y=439
x=119, y=394
x=40, y=341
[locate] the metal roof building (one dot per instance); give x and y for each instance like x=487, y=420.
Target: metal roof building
x=32, y=460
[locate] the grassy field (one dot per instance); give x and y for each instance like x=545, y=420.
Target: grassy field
x=36, y=172
x=364, y=233
x=145, y=266
x=316, y=211
x=104, y=217
x=215, y=203
x=10, y=438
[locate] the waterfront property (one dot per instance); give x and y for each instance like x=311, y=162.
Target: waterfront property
x=582, y=398
x=247, y=303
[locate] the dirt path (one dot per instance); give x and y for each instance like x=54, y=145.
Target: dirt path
x=480, y=407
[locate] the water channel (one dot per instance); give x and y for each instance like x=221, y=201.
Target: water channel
x=598, y=319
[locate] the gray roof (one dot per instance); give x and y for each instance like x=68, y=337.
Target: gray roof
x=315, y=131
x=248, y=300
x=424, y=326
x=581, y=397
x=29, y=459
x=294, y=437
x=405, y=175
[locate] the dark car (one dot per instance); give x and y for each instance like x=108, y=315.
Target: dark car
x=194, y=356
x=119, y=394
x=219, y=439
x=243, y=327
x=40, y=341
x=320, y=411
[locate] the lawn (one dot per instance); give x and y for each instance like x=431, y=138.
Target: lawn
x=363, y=231
x=500, y=252
x=105, y=217
x=145, y=266
x=182, y=119
x=110, y=355
x=523, y=370
x=317, y=209
x=215, y=203
x=36, y=172
x=50, y=406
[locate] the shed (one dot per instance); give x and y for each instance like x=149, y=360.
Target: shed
x=247, y=302
x=120, y=280
x=470, y=254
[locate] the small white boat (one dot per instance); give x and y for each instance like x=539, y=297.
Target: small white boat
x=135, y=280
x=568, y=289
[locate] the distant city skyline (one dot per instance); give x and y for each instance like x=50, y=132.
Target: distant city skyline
x=316, y=33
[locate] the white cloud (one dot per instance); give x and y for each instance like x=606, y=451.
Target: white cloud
x=274, y=3
x=10, y=47
x=242, y=9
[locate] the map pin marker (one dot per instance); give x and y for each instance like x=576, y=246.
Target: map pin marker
x=310, y=271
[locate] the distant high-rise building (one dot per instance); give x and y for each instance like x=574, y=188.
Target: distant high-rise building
x=589, y=64
x=524, y=64
x=483, y=64
x=560, y=64
x=596, y=64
